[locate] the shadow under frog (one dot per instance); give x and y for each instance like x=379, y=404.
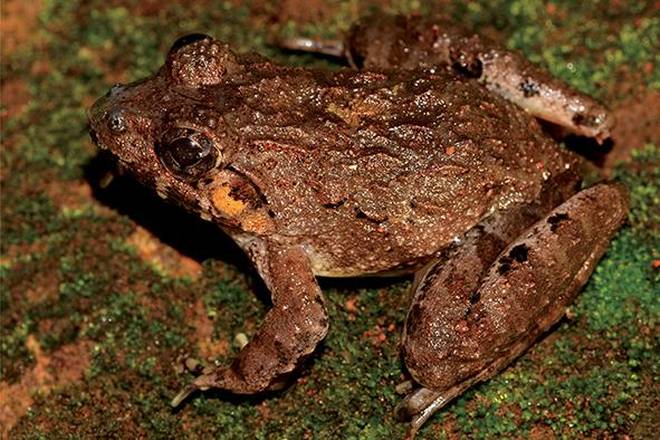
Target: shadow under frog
x=427, y=159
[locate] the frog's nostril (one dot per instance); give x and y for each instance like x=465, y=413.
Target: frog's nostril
x=117, y=121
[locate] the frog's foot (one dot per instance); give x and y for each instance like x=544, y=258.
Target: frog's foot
x=466, y=324
x=222, y=379
x=293, y=327
x=421, y=404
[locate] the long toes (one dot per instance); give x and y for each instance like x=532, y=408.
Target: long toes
x=414, y=403
x=202, y=383
x=183, y=395
x=404, y=387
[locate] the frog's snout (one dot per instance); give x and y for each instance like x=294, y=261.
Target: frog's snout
x=114, y=125
x=105, y=119
x=115, y=90
x=111, y=107
x=97, y=112
x=101, y=105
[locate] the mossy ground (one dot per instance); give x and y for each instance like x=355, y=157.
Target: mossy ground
x=95, y=321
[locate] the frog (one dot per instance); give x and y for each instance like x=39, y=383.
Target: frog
x=424, y=157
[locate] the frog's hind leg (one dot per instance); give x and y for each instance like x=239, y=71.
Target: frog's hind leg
x=420, y=405
x=397, y=42
x=512, y=76
x=384, y=42
x=458, y=271
x=467, y=323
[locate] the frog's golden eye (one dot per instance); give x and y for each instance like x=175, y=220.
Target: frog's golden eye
x=198, y=60
x=187, y=153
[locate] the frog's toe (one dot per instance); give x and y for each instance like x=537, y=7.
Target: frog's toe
x=221, y=378
x=414, y=403
x=419, y=405
x=183, y=395
x=203, y=383
x=404, y=387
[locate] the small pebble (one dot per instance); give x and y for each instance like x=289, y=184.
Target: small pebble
x=192, y=364
x=404, y=387
x=240, y=340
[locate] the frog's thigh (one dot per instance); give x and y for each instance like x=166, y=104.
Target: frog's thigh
x=466, y=334
x=293, y=327
x=458, y=272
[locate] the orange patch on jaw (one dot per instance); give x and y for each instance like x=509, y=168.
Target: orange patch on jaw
x=225, y=203
x=249, y=218
x=256, y=221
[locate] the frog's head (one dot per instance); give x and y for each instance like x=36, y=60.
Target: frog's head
x=168, y=130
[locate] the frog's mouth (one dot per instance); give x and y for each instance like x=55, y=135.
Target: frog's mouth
x=95, y=138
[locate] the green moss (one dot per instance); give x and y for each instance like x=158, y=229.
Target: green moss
x=26, y=219
x=642, y=180
x=623, y=288
x=16, y=357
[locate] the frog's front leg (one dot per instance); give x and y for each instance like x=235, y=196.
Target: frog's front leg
x=293, y=327
x=466, y=323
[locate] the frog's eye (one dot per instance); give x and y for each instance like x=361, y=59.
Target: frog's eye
x=197, y=60
x=187, y=153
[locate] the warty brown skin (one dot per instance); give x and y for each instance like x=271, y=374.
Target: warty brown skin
x=349, y=173
x=410, y=158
